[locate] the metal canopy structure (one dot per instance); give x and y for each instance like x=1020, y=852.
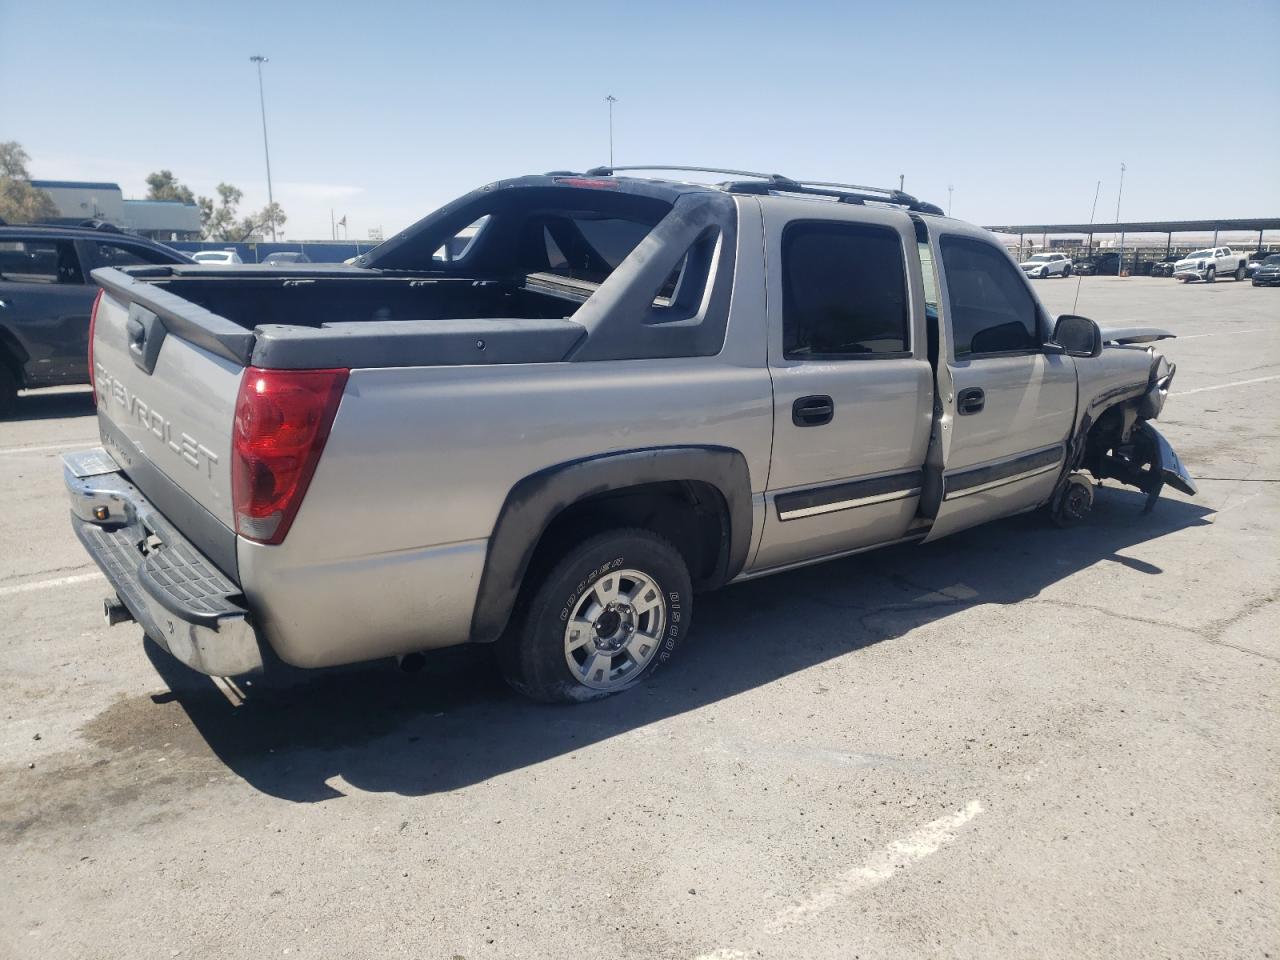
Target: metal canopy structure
x=1143, y=226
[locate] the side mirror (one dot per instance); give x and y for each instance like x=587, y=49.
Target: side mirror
x=1076, y=336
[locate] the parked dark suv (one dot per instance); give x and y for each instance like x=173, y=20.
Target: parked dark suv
x=46, y=296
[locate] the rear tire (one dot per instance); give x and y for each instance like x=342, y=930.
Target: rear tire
x=613, y=609
x=8, y=390
x=1239, y=273
x=1066, y=271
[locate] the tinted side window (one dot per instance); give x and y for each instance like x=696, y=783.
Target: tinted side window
x=991, y=309
x=39, y=261
x=123, y=255
x=844, y=291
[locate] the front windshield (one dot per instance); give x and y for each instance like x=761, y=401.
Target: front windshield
x=1274, y=260
x=1200, y=253
x=1039, y=258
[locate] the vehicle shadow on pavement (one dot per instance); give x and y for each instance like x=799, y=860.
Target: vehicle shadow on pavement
x=456, y=723
x=42, y=405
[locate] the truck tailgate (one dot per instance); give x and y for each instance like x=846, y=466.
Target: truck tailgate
x=166, y=406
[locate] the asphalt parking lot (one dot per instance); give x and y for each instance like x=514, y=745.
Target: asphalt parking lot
x=1017, y=742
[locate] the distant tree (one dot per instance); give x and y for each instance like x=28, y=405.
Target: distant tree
x=163, y=185
x=272, y=219
x=220, y=222
x=20, y=202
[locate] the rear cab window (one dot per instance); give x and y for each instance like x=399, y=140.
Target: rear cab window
x=844, y=292
x=40, y=261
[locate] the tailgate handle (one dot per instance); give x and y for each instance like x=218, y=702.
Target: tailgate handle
x=145, y=333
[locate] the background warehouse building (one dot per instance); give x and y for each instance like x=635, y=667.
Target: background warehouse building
x=80, y=200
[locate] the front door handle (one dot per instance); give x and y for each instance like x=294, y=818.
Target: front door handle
x=812, y=411
x=970, y=401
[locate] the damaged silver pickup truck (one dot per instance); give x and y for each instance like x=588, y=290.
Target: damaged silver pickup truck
x=546, y=415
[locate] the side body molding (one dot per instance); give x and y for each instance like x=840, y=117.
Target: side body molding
x=539, y=498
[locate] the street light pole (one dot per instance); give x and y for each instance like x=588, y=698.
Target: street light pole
x=1119, y=194
x=262, y=102
x=950, y=187
x=611, y=100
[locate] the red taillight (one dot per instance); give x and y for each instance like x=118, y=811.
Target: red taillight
x=282, y=422
x=93, y=323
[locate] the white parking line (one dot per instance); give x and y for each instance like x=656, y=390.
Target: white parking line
x=47, y=584
x=69, y=445
x=1224, y=386
x=883, y=865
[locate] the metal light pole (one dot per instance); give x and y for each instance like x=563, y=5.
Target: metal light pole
x=950, y=188
x=611, y=100
x=1119, y=194
x=262, y=102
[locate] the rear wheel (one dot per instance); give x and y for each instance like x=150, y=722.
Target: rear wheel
x=1240, y=273
x=8, y=390
x=1066, y=271
x=612, y=610
x=1211, y=275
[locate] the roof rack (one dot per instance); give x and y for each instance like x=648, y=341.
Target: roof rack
x=771, y=182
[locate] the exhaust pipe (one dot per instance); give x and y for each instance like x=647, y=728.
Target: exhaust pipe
x=115, y=611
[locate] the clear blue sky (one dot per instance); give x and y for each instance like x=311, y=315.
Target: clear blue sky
x=385, y=111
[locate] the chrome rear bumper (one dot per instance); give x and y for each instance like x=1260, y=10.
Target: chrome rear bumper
x=182, y=600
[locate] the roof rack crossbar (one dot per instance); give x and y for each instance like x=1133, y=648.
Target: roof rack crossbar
x=609, y=171
x=844, y=192
x=895, y=197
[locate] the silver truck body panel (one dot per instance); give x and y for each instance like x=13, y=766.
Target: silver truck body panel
x=883, y=410
x=179, y=416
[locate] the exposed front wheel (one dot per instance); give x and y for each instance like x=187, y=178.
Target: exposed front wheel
x=1240, y=273
x=1073, y=503
x=612, y=610
x=1210, y=275
x=1066, y=271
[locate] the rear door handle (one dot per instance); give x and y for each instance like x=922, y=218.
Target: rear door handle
x=970, y=401
x=812, y=411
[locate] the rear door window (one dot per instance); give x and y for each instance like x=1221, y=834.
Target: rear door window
x=844, y=292
x=991, y=309
x=39, y=261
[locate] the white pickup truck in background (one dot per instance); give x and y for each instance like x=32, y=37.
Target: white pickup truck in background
x=1208, y=265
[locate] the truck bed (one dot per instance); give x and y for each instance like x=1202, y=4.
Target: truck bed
x=299, y=318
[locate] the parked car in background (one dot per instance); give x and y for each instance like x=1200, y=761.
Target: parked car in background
x=1101, y=264
x=1268, y=272
x=1208, y=265
x=1164, y=267
x=286, y=256
x=1047, y=265
x=550, y=445
x=216, y=256
x=46, y=297
x=1256, y=260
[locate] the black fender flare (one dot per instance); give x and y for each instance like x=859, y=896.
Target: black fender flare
x=535, y=501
